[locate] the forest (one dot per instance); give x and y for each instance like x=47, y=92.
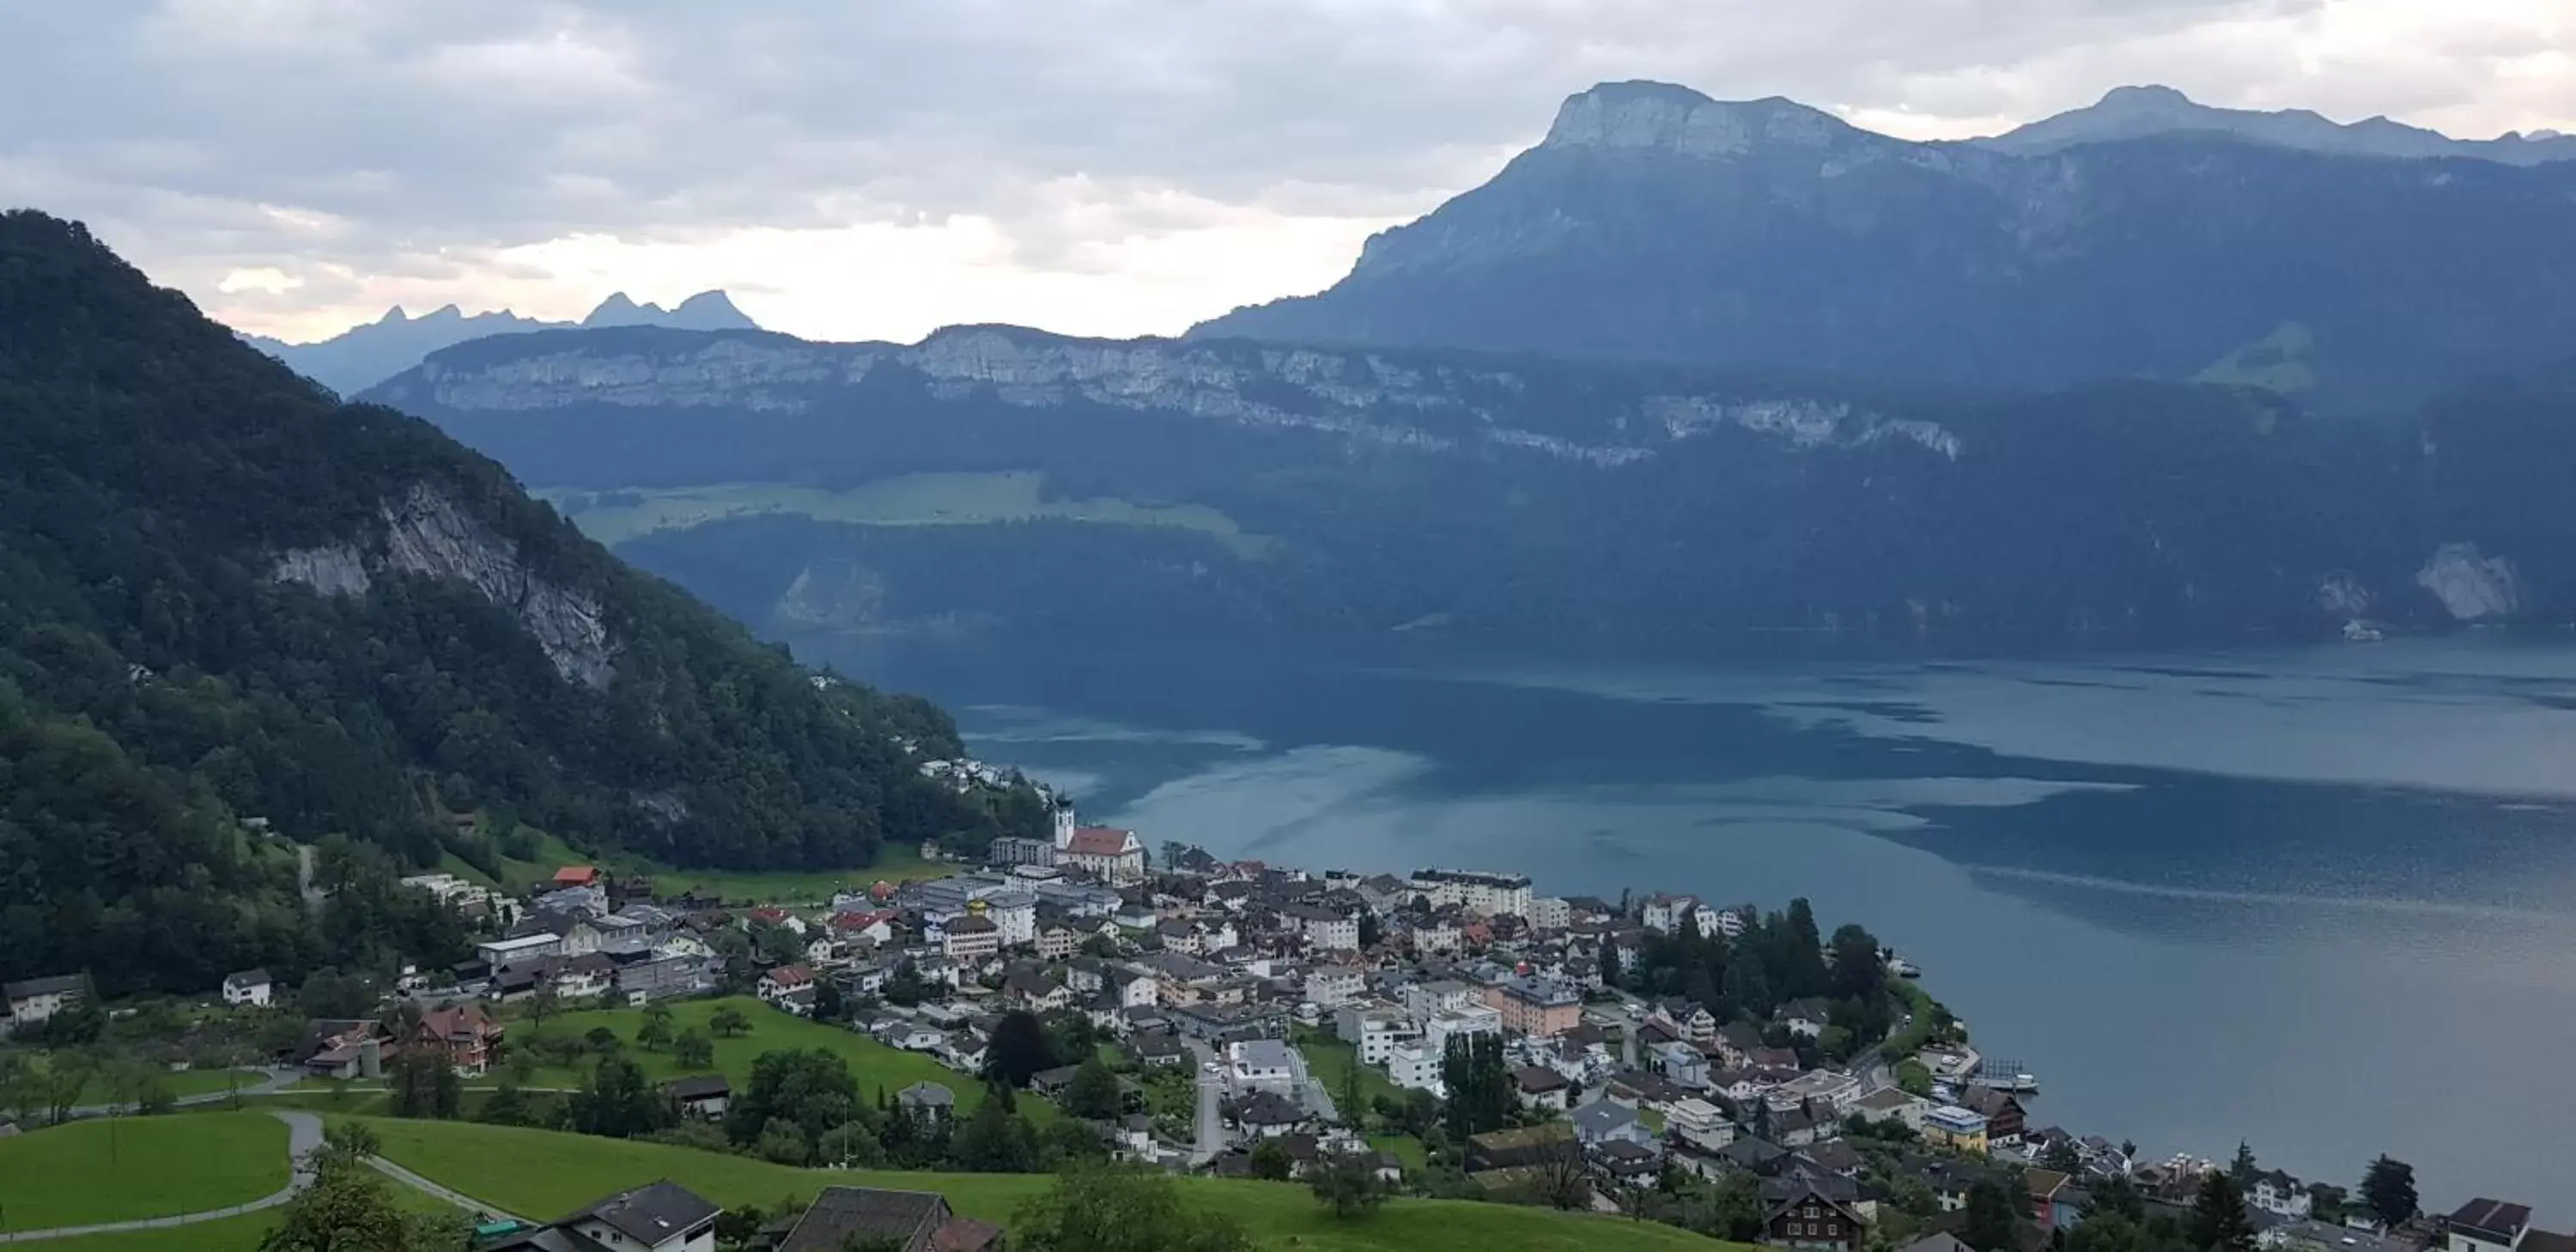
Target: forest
x=174, y=717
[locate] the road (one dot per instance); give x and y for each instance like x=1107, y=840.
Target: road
x=303, y=1135
x=1211, y=1128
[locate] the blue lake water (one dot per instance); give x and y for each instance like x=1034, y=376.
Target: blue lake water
x=2323, y=900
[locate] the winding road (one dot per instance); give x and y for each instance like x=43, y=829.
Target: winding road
x=303, y=1135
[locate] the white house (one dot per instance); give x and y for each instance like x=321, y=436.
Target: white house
x=1488, y=893
x=1264, y=1065
x=2484, y=1225
x=1380, y=1032
x=1332, y=986
x=1698, y=1122
x=1413, y=1067
x=2282, y=1195
x=1423, y=999
x=1324, y=928
x=656, y=1217
x=249, y=988
x=1462, y=1022
x=1662, y=912
x=36, y=999
x=786, y=985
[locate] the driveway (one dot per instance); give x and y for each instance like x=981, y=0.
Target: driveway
x=303, y=1134
x=1211, y=1127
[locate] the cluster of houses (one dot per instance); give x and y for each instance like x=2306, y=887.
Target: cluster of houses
x=666, y=1217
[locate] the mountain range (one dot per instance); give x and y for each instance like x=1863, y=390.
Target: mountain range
x=2146, y=237
x=363, y=356
x=238, y=615
x=1240, y=490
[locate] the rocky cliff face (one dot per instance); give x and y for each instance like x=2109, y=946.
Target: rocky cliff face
x=1435, y=405
x=428, y=535
x=2471, y=585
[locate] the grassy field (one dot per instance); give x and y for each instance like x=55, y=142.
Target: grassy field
x=135, y=1167
x=874, y=1064
x=613, y=517
x=228, y=1234
x=1331, y=1061
x=545, y=1174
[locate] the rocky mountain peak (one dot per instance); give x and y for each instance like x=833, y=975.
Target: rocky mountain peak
x=1652, y=115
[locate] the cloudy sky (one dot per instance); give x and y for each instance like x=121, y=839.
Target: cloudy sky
x=876, y=168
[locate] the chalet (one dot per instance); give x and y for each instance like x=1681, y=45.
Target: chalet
x=334, y=1048
x=927, y=1101
x=247, y=989
x=789, y=989
x=700, y=1095
x=463, y=1034
x=900, y=1221
x=2005, y=1119
x=656, y=1217
x=1540, y=1088
x=1811, y=1213
x=31, y=1002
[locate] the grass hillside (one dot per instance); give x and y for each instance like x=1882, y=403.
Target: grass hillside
x=537, y=1173
x=138, y=1167
x=874, y=1064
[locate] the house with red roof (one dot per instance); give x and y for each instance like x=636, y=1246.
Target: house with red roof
x=464, y=1034
x=577, y=876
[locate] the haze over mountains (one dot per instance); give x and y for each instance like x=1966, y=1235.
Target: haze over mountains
x=363, y=356
x=1708, y=373
x=2142, y=238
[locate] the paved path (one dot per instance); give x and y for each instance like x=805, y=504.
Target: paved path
x=428, y=1188
x=303, y=1135
x=1211, y=1127
x=275, y=1080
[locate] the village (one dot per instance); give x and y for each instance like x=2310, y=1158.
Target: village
x=1455, y=1029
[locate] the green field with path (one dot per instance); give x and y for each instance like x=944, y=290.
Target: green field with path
x=543, y=1174
x=874, y=1064
x=126, y=1168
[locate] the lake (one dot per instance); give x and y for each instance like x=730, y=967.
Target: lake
x=2323, y=900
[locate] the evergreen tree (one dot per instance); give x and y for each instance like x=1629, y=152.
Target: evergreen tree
x=618, y=1101
x=2242, y=1170
x=2218, y=1221
x=1018, y=1049
x=2388, y=1187
x=1093, y=1092
x=1991, y=1219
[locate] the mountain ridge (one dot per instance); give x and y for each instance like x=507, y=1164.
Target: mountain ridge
x=369, y=353
x=2134, y=111
x=1653, y=223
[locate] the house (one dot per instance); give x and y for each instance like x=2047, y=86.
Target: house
x=576, y=876
x=1683, y=1065
x=1607, y=1121
x=700, y=1095
x=36, y=999
x=1058, y=942
x=656, y=1217
x=1482, y=891
x=1325, y=929
x=666, y=974
x=1107, y=853
x=790, y=989
x=1537, y=1006
x=1807, y=1017
x=1811, y=1213
x=2281, y=1195
x=899, y=1221
x=334, y=1048
x=1955, y=1127
x=581, y=977
x=1413, y=1067
x=1332, y=986
x=2056, y=1202
x=1265, y=1065
x=463, y=1034
x=2484, y=1225
x=927, y=1101
x=2005, y=1119
x=1890, y=1104
x=1265, y=1115
x=249, y=988
x=1699, y=1123
x=1539, y=1088
x=1663, y=912
x=970, y=938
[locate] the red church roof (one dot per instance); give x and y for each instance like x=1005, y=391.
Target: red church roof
x=1100, y=841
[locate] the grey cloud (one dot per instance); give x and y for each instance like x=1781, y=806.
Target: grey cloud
x=472, y=125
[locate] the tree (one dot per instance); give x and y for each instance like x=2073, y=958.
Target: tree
x=353, y=1140
x=1270, y=1160
x=850, y=1145
x=729, y=1022
x=1348, y=1184
x=1609, y=958
x=1121, y=1209
x=618, y=1101
x=542, y=1004
x=602, y=1040
x=1564, y=1178
x=694, y=1049
x=1991, y=1218
x=1018, y=1049
x=508, y=1106
x=348, y=1208
x=1093, y=1092
x=2243, y=1169
x=654, y=1033
x=782, y=1142
x=996, y=1140
x=1481, y=1095
x=2218, y=1222
x=2388, y=1187
x=812, y=1088
x=423, y=1084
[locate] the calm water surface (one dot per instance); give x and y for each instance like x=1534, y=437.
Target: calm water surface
x=2323, y=900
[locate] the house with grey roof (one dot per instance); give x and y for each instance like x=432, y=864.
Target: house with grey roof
x=905, y=1221
x=656, y=1217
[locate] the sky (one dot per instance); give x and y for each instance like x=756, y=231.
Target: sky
x=878, y=168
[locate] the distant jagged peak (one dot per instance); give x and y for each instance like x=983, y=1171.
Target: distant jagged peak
x=618, y=310
x=707, y=310
x=1665, y=116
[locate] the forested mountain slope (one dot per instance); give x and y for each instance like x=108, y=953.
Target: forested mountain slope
x=226, y=596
